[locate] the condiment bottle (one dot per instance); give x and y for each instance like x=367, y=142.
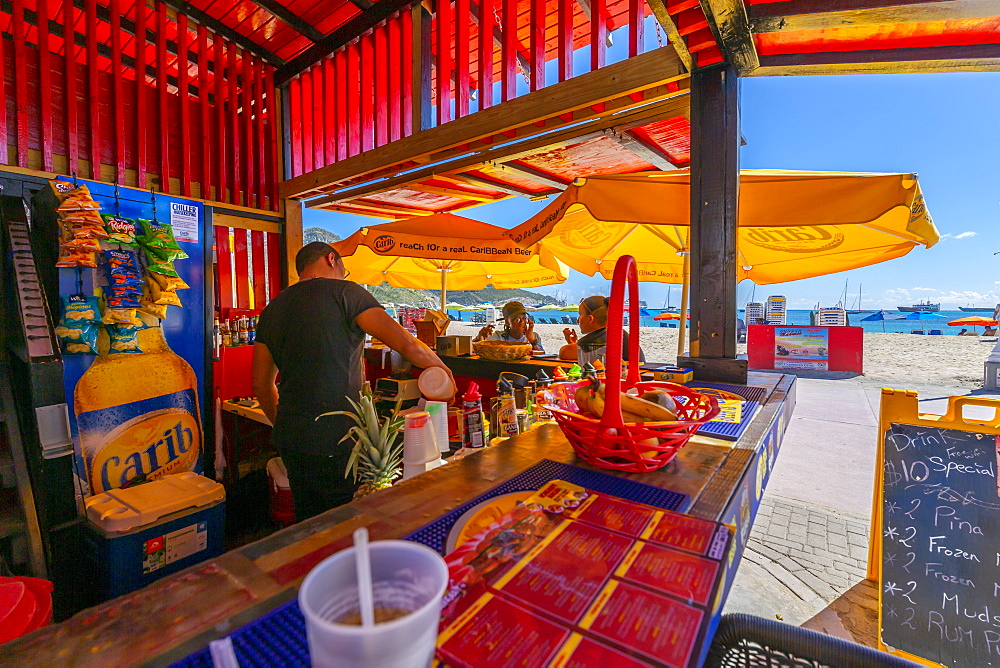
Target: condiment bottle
x=574, y=372
x=559, y=375
x=506, y=417
x=599, y=368
x=472, y=418
x=588, y=370
x=542, y=382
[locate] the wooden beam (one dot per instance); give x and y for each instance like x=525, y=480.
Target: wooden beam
x=221, y=28
x=519, y=50
x=292, y=238
x=731, y=28
x=975, y=58
x=715, y=179
x=290, y=19
x=673, y=35
x=822, y=14
x=456, y=192
x=356, y=212
x=486, y=159
x=340, y=37
x=420, y=86
x=508, y=188
x=404, y=211
x=585, y=91
x=649, y=152
x=535, y=175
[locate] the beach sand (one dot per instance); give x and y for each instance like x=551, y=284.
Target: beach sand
x=893, y=360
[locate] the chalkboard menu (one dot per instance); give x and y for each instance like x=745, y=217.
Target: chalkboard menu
x=940, y=585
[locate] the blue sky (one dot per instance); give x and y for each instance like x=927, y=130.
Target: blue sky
x=944, y=127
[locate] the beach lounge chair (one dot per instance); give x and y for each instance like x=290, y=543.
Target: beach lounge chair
x=935, y=332
x=566, y=320
x=916, y=331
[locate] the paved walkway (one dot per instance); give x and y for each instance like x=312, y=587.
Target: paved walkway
x=806, y=558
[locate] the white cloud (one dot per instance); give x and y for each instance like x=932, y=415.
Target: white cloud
x=960, y=235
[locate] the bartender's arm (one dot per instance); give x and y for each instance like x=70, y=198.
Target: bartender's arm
x=263, y=374
x=378, y=323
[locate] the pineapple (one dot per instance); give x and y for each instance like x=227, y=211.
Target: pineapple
x=378, y=451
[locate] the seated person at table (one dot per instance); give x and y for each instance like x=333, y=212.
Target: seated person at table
x=517, y=327
x=593, y=320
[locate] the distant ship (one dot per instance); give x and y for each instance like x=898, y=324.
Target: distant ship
x=922, y=306
x=976, y=309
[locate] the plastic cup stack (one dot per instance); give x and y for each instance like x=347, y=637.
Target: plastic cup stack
x=420, y=448
x=438, y=411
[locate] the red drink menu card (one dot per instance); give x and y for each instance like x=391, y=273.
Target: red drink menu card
x=571, y=577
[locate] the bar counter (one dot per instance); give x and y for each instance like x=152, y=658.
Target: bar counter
x=182, y=613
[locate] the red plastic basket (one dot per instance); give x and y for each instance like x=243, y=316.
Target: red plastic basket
x=609, y=442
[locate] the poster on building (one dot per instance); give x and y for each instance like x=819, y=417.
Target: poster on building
x=801, y=348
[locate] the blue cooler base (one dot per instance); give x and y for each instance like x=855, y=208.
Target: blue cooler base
x=124, y=562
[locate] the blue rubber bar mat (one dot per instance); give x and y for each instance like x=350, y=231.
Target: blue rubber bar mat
x=731, y=431
x=279, y=637
x=435, y=534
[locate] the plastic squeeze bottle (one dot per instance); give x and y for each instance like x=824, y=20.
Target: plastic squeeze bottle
x=506, y=411
x=472, y=418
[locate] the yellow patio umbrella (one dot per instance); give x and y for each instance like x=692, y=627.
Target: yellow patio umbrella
x=792, y=224
x=445, y=251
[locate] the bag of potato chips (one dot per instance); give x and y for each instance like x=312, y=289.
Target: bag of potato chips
x=123, y=339
x=159, y=238
x=79, y=308
x=163, y=297
x=79, y=338
x=169, y=282
x=72, y=257
x=157, y=265
x=121, y=230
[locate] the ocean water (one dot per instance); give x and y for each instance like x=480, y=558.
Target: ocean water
x=801, y=318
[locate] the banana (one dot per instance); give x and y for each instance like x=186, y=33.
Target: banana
x=652, y=411
x=582, y=398
x=661, y=398
x=597, y=400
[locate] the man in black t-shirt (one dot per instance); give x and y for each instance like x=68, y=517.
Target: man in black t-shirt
x=312, y=334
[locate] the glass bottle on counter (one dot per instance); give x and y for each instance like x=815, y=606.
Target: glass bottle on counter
x=216, y=336
x=252, y=330
x=227, y=335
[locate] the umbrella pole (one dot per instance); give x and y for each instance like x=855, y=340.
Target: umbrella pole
x=681, y=331
x=444, y=288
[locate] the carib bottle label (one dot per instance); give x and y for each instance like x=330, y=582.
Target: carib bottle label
x=150, y=438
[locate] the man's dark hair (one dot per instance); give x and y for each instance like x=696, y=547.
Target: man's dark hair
x=311, y=252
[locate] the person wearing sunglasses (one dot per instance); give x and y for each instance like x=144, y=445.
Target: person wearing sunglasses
x=518, y=326
x=592, y=345
x=313, y=334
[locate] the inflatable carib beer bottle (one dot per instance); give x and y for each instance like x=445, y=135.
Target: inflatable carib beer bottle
x=137, y=414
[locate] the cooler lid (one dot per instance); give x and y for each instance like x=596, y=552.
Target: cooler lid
x=124, y=509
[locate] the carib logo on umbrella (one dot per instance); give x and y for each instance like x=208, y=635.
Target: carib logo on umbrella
x=384, y=243
x=798, y=239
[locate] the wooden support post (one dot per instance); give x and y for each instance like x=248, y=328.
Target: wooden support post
x=715, y=174
x=45, y=85
x=292, y=237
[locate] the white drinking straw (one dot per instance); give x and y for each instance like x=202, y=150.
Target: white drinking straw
x=363, y=564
